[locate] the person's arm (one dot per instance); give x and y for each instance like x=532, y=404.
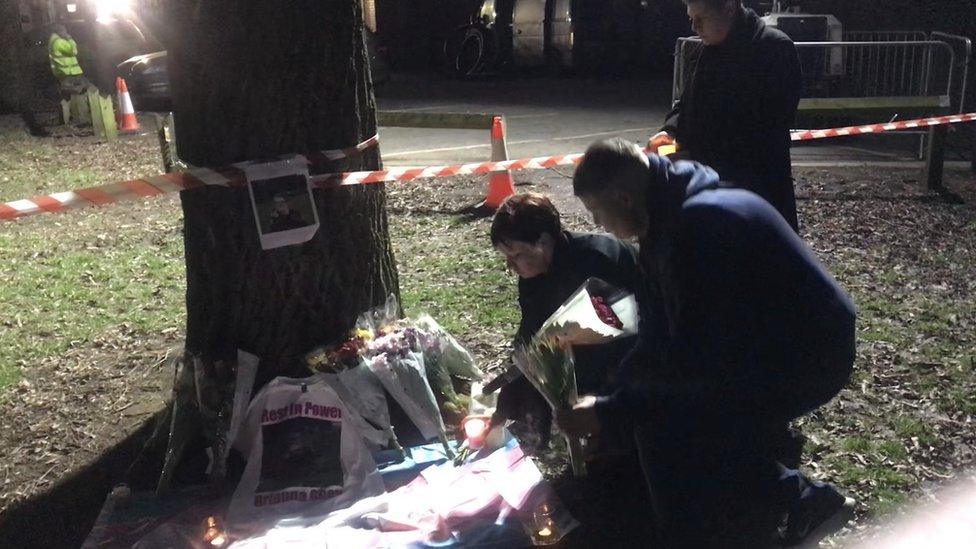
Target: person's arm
x=671, y=121
x=528, y=321
x=628, y=400
x=517, y=398
x=669, y=131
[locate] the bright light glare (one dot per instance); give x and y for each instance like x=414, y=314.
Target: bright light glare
x=72, y=8
x=475, y=428
x=106, y=10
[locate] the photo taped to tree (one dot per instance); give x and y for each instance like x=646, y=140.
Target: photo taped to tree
x=281, y=197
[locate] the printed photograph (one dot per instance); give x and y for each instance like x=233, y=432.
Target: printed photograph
x=283, y=203
x=301, y=452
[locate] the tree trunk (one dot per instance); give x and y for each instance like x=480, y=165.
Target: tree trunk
x=257, y=79
x=254, y=80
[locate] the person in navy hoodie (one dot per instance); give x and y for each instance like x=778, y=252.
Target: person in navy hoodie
x=747, y=331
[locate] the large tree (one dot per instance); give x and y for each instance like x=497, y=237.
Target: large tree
x=251, y=80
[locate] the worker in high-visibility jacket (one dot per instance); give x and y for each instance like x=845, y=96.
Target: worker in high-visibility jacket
x=63, y=53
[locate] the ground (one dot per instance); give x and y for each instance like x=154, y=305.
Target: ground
x=91, y=314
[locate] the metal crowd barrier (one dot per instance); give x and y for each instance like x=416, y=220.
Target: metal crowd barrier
x=876, y=64
x=872, y=75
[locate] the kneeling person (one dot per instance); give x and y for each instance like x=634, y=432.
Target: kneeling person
x=552, y=264
x=747, y=331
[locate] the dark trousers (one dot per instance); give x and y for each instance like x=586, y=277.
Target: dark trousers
x=717, y=489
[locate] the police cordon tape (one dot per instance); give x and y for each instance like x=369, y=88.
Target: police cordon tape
x=153, y=186
x=234, y=177
x=807, y=135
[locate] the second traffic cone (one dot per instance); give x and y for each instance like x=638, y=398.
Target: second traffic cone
x=500, y=184
x=127, y=114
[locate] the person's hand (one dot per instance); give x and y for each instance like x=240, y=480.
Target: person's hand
x=659, y=139
x=581, y=420
x=520, y=401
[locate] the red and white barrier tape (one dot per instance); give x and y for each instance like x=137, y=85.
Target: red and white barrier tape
x=807, y=135
x=233, y=177
x=327, y=181
x=542, y=162
x=152, y=186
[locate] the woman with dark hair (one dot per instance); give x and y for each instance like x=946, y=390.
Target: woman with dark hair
x=551, y=264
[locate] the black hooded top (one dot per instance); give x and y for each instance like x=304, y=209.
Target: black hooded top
x=736, y=114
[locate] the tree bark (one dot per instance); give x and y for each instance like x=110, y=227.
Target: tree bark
x=252, y=80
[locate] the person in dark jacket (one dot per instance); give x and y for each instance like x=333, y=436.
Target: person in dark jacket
x=746, y=332
x=552, y=264
x=284, y=218
x=736, y=112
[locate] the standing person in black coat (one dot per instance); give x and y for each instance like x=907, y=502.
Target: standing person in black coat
x=736, y=113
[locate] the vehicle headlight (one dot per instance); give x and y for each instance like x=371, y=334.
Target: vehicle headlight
x=106, y=10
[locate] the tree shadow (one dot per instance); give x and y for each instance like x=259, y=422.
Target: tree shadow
x=63, y=515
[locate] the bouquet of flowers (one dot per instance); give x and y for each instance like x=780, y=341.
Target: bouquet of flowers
x=345, y=370
x=444, y=358
x=550, y=369
x=402, y=372
x=596, y=313
x=413, y=359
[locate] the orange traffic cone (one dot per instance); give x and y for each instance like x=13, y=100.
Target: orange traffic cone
x=500, y=184
x=127, y=112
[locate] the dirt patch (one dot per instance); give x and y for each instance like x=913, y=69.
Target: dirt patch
x=904, y=425
x=68, y=409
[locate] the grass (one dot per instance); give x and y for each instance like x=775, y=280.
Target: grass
x=909, y=427
x=453, y=274
x=68, y=279
x=54, y=300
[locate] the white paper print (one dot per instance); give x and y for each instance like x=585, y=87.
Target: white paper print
x=281, y=198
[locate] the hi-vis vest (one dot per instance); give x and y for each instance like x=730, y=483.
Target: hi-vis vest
x=63, y=53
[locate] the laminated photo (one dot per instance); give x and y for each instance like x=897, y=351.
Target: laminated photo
x=281, y=198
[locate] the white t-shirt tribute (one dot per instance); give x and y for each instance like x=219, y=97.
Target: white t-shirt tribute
x=305, y=455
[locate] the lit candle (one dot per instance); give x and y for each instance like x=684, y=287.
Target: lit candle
x=212, y=533
x=544, y=525
x=475, y=430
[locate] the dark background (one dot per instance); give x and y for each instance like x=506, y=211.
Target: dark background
x=642, y=31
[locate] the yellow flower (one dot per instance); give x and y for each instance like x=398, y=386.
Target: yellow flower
x=360, y=333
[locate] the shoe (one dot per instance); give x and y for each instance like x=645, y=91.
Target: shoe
x=819, y=513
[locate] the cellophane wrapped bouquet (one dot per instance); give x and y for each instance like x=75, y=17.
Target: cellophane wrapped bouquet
x=414, y=359
x=596, y=313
